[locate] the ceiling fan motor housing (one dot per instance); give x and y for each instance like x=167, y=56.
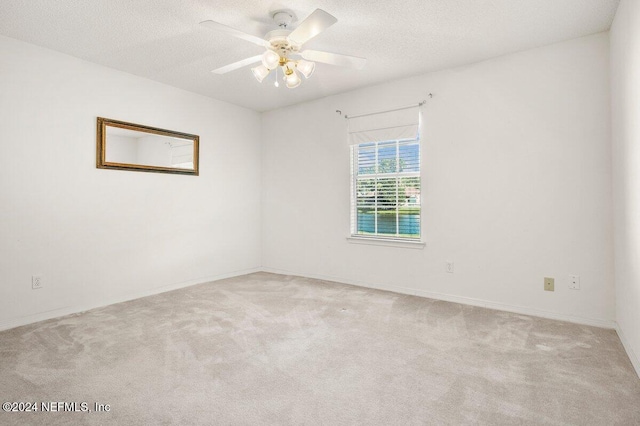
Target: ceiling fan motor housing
x=280, y=42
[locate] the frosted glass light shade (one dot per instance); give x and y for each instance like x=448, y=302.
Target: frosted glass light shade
x=260, y=72
x=293, y=80
x=306, y=68
x=270, y=59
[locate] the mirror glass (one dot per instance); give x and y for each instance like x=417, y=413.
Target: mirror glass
x=128, y=146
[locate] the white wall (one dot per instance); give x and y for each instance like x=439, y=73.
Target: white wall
x=517, y=185
x=625, y=91
x=100, y=236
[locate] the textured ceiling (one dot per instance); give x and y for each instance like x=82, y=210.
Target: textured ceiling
x=162, y=40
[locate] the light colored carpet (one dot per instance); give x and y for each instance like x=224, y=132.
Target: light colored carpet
x=272, y=349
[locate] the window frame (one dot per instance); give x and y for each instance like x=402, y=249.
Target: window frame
x=377, y=238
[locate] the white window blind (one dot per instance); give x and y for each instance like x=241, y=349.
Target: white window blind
x=385, y=188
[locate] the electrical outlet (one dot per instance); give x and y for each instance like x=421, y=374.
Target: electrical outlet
x=448, y=267
x=549, y=284
x=574, y=282
x=36, y=282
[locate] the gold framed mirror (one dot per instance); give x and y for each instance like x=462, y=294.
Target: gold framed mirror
x=128, y=146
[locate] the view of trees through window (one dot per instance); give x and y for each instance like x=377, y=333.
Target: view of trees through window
x=386, y=194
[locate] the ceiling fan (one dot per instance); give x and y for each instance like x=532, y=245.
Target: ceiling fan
x=284, y=48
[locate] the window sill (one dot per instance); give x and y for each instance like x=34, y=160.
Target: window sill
x=388, y=242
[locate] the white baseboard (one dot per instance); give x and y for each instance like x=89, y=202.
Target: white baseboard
x=633, y=357
x=595, y=322
x=41, y=316
x=67, y=310
x=460, y=299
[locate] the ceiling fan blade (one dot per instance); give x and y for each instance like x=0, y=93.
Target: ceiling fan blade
x=235, y=33
x=314, y=24
x=234, y=66
x=333, y=59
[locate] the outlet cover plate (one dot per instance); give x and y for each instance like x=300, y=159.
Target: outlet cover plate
x=574, y=282
x=36, y=282
x=549, y=284
x=448, y=266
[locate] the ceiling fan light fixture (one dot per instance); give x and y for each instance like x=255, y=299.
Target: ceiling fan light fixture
x=284, y=48
x=306, y=68
x=292, y=80
x=260, y=72
x=270, y=59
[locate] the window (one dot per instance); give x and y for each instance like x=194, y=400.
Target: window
x=385, y=189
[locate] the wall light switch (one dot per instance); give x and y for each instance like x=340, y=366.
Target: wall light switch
x=549, y=284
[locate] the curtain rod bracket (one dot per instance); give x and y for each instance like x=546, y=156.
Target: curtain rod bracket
x=425, y=101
